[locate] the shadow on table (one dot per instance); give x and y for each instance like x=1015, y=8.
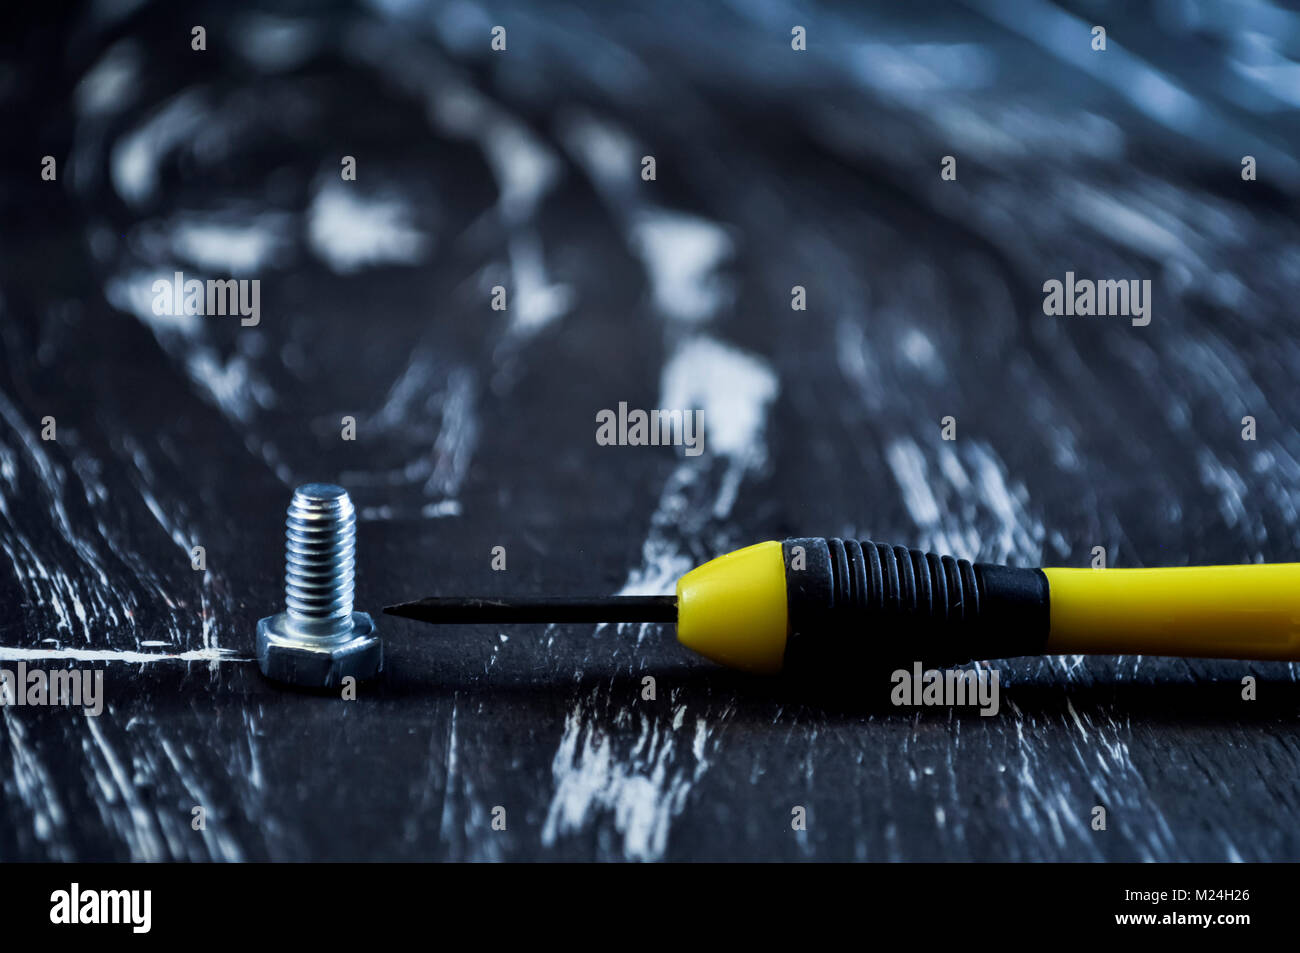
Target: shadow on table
x=1167, y=695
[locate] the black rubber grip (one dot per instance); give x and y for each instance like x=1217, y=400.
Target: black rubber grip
x=865, y=601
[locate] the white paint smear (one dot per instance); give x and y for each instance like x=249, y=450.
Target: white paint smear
x=733, y=389
x=526, y=170
x=110, y=85
x=607, y=153
x=681, y=254
x=643, y=789
x=16, y=654
x=227, y=382
x=646, y=788
x=229, y=248
x=350, y=232
x=962, y=503
x=133, y=165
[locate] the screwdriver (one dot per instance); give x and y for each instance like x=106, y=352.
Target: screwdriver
x=810, y=604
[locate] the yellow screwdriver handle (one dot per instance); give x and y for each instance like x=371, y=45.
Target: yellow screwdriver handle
x=1243, y=612
x=816, y=602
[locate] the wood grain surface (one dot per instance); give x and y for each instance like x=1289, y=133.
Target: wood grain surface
x=475, y=428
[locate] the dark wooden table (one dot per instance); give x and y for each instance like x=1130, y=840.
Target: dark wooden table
x=475, y=428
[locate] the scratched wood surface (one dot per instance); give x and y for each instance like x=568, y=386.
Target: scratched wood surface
x=475, y=428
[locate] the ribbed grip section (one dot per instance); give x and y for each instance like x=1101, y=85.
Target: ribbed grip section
x=320, y=560
x=855, y=599
x=911, y=586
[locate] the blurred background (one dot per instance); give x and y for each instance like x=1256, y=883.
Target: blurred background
x=522, y=169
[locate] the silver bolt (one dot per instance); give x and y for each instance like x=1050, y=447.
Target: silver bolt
x=318, y=641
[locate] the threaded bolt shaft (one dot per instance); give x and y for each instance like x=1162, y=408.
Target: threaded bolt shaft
x=320, y=561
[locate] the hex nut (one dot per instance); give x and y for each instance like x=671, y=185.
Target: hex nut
x=287, y=656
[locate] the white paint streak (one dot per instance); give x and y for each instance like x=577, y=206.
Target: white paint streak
x=908, y=465
x=136, y=156
x=226, y=382
x=962, y=503
x=217, y=838
x=36, y=789
x=138, y=827
x=432, y=411
x=19, y=653
x=109, y=86
x=681, y=254
x=732, y=388
x=229, y=248
x=643, y=788
x=350, y=232
x=526, y=171
x=735, y=390
x=69, y=580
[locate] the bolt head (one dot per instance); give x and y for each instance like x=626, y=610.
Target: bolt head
x=287, y=656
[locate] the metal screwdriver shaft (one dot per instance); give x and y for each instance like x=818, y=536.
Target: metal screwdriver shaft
x=462, y=610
